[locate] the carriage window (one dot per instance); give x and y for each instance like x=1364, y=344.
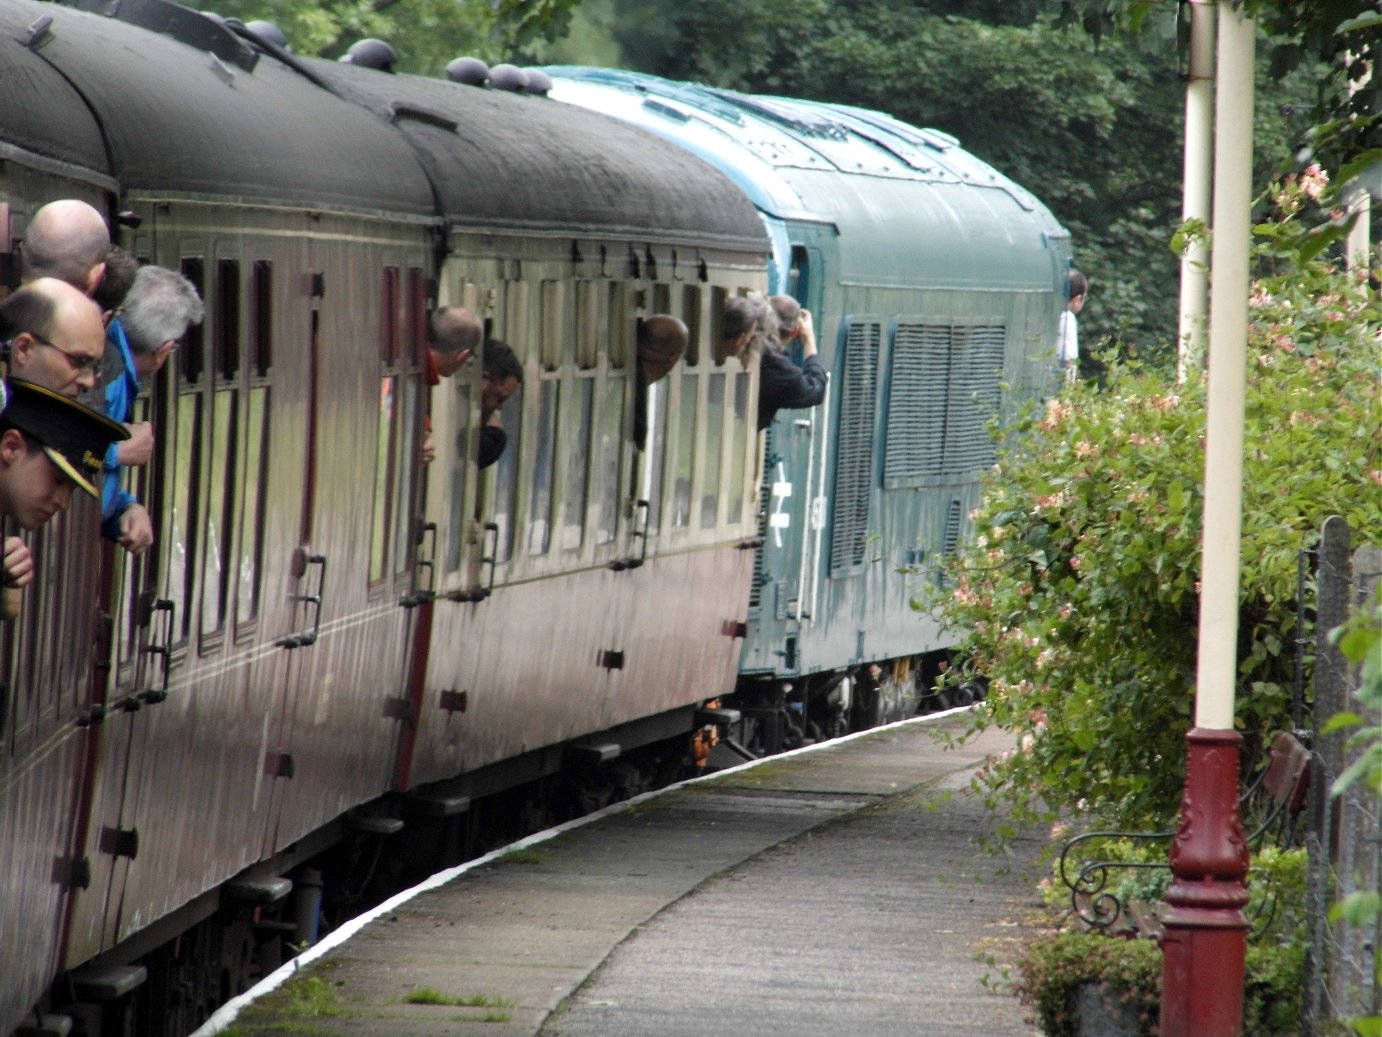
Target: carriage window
x=192, y=354
x=382, y=454
x=506, y=475
x=417, y=317
x=384, y=430
x=459, y=461
x=742, y=432
x=516, y=322
x=577, y=467
x=714, y=445
x=619, y=330
x=590, y=323
x=388, y=317
x=540, y=503
x=662, y=298
x=684, y=465
x=182, y=535
x=691, y=305
x=261, y=327
x=657, y=452
x=221, y=448
x=220, y=511
x=255, y=469
x=407, y=405
x=226, y=342
x=718, y=298
x=608, y=454
x=407, y=433
x=553, y=339
x=256, y=476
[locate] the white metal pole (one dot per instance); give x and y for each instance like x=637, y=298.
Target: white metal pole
x=1228, y=330
x=1358, y=200
x=1199, y=158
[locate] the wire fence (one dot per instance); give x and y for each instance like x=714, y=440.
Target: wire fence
x=1345, y=836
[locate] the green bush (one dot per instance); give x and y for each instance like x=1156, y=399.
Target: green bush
x=1079, y=594
x=1127, y=973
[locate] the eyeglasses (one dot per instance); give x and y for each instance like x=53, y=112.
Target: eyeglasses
x=79, y=361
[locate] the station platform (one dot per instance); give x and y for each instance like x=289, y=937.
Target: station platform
x=835, y=891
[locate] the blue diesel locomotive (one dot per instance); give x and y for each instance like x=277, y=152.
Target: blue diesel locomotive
x=936, y=282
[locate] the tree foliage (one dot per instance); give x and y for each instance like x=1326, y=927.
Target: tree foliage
x=1091, y=125
x=1081, y=592
x=425, y=33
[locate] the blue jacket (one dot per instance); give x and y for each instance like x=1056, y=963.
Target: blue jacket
x=119, y=403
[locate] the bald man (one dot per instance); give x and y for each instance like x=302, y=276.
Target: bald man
x=56, y=335
x=454, y=334
x=66, y=239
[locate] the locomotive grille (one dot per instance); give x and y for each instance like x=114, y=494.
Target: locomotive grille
x=854, y=464
x=765, y=497
x=944, y=389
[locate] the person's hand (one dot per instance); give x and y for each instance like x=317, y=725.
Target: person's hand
x=429, y=449
x=139, y=448
x=136, y=529
x=806, y=331
x=19, y=564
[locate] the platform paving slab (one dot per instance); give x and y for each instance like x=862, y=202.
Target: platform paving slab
x=838, y=891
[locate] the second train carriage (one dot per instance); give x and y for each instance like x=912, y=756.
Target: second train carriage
x=937, y=285
x=322, y=620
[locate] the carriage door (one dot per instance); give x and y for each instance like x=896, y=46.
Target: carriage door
x=354, y=567
x=780, y=600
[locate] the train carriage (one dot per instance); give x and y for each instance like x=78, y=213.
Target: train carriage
x=292, y=651
x=937, y=284
x=535, y=585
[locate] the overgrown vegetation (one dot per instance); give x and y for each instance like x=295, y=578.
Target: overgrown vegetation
x=1126, y=974
x=1080, y=593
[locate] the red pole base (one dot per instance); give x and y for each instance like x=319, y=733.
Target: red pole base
x=1205, y=931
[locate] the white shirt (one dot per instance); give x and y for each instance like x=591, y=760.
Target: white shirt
x=1069, y=344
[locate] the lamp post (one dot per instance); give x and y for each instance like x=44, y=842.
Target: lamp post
x=1197, y=183
x=1205, y=929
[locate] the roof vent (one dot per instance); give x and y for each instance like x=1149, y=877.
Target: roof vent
x=371, y=53
x=468, y=71
x=539, y=82
x=268, y=32
x=508, y=77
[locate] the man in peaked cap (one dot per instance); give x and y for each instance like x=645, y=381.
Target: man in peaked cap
x=48, y=445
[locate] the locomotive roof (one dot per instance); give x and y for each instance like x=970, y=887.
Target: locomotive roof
x=892, y=190
x=521, y=160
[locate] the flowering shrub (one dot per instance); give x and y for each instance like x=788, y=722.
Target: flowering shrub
x=1080, y=593
x=1126, y=975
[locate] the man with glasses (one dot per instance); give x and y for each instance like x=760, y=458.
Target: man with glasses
x=54, y=338
x=55, y=335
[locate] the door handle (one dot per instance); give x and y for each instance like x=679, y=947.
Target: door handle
x=425, y=561
x=309, y=637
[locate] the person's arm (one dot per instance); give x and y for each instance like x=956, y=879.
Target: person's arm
x=784, y=385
